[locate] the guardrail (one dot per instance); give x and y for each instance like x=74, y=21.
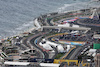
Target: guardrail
x=35, y=42
x=68, y=52
x=57, y=61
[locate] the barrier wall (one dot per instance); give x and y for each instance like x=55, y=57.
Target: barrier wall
x=59, y=61
x=72, y=42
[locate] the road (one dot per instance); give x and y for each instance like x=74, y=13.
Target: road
x=32, y=41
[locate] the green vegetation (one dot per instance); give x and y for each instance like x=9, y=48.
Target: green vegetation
x=14, y=37
x=59, y=55
x=30, y=34
x=8, y=39
x=51, y=33
x=49, y=18
x=9, y=42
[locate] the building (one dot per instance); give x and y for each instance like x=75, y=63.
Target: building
x=97, y=60
x=96, y=46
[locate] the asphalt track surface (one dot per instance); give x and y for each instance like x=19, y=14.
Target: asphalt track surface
x=35, y=45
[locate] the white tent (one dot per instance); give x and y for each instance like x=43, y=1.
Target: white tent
x=47, y=47
x=16, y=63
x=92, y=50
x=68, y=48
x=52, y=43
x=60, y=48
x=93, y=54
x=43, y=40
x=53, y=51
x=40, y=44
x=49, y=65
